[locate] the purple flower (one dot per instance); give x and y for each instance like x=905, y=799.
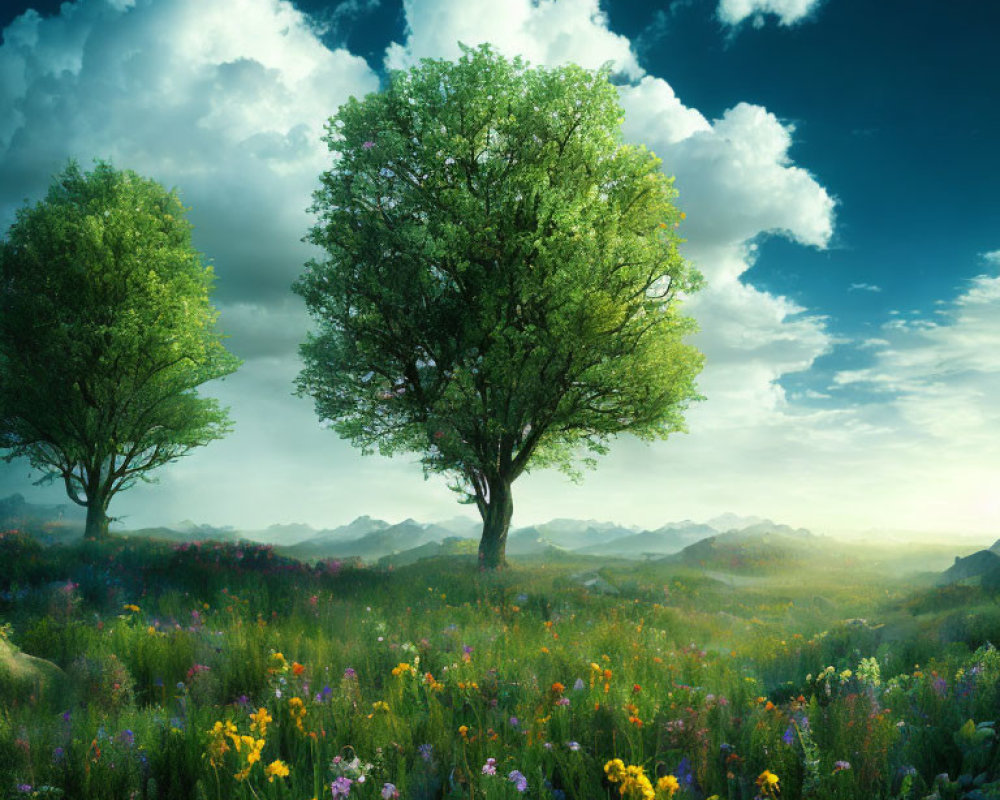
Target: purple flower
x=58, y=755
x=940, y=686
x=368, y=145
x=578, y=686
x=574, y=746
x=788, y=736
x=126, y=737
x=840, y=766
x=350, y=673
x=24, y=788
x=490, y=767
x=341, y=787
x=323, y=696
x=467, y=649
x=683, y=772
x=426, y=751
x=514, y=722
x=519, y=781
x=389, y=791
x=562, y=701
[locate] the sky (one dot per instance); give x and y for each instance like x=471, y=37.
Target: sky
x=836, y=160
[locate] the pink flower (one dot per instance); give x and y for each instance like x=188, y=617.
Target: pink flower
x=368, y=145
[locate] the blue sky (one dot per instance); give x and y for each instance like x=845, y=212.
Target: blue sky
x=836, y=160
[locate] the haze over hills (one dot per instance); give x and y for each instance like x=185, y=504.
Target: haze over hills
x=725, y=543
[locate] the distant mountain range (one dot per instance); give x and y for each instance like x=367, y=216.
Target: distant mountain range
x=375, y=540
x=49, y=523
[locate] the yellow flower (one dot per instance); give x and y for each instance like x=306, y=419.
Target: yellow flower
x=297, y=709
x=260, y=721
x=254, y=755
x=767, y=782
x=668, y=784
x=276, y=769
x=217, y=746
x=636, y=784
x=131, y=607
x=380, y=705
x=615, y=770
x=403, y=669
x=278, y=663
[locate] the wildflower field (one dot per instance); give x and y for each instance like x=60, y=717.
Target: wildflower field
x=226, y=671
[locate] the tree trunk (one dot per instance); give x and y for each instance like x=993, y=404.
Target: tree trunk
x=496, y=522
x=97, y=519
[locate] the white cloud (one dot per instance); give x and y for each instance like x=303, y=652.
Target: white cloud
x=231, y=114
x=991, y=257
x=864, y=287
x=734, y=176
x=545, y=32
x=788, y=12
x=936, y=383
x=943, y=375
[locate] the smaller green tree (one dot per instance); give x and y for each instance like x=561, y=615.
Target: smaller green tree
x=106, y=331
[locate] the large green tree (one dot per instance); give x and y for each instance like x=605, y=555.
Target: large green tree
x=501, y=280
x=106, y=331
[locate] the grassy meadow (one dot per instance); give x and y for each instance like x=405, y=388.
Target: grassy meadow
x=141, y=669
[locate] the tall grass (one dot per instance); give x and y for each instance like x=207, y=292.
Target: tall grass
x=435, y=680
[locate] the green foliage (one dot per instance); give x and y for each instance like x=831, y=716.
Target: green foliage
x=106, y=331
x=424, y=672
x=502, y=276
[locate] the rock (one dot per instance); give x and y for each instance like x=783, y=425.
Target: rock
x=595, y=583
x=25, y=678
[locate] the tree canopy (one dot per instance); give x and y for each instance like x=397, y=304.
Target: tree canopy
x=501, y=277
x=106, y=331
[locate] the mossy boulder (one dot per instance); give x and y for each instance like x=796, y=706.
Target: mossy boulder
x=27, y=679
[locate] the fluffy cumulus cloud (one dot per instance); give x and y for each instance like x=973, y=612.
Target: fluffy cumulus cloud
x=231, y=114
x=546, y=32
x=788, y=12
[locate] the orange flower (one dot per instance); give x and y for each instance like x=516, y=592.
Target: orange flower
x=297, y=668
x=558, y=688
